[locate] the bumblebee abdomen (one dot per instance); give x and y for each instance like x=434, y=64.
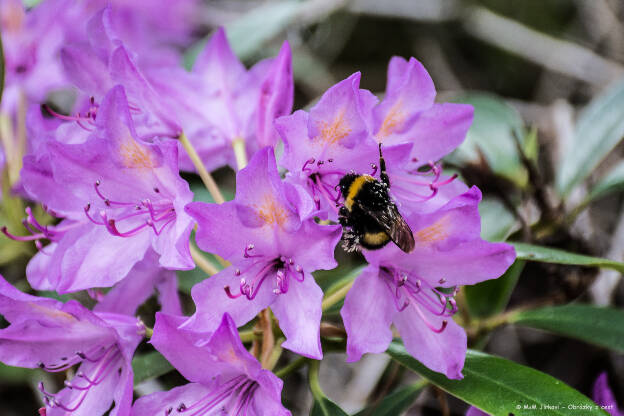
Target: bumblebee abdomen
x=373, y=241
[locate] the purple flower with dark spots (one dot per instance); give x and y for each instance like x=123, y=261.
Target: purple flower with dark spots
x=416, y=291
x=269, y=235
x=225, y=378
x=55, y=337
x=119, y=197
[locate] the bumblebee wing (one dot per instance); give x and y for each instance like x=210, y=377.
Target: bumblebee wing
x=394, y=224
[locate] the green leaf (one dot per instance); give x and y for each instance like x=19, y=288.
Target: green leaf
x=322, y=405
x=491, y=134
x=599, y=129
x=491, y=297
x=326, y=407
x=553, y=255
x=395, y=403
x=496, y=220
x=610, y=183
x=502, y=387
x=17, y=375
x=592, y=324
x=149, y=365
x=251, y=31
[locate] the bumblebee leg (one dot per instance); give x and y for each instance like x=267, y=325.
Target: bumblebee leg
x=382, y=166
x=350, y=241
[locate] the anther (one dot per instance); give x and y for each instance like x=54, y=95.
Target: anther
x=442, y=281
x=181, y=407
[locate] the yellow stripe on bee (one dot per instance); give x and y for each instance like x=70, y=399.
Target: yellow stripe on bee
x=355, y=187
x=376, y=239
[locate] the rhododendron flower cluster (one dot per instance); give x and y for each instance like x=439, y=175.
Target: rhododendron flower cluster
x=107, y=170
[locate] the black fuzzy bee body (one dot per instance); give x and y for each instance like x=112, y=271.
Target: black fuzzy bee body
x=370, y=218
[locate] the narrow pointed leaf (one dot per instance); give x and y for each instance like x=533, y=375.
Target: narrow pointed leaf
x=326, y=407
x=248, y=34
x=496, y=220
x=612, y=182
x=149, y=365
x=599, y=129
x=501, y=387
x=491, y=135
x=395, y=403
x=552, y=255
x=595, y=325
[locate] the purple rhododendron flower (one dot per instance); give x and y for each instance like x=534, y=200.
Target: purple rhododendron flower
x=408, y=114
x=269, y=235
x=31, y=42
x=237, y=104
x=342, y=131
x=225, y=378
x=32, y=39
x=415, y=291
x=118, y=196
x=55, y=336
x=323, y=145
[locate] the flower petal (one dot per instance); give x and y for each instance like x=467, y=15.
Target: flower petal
x=157, y=404
x=212, y=302
x=443, y=352
x=299, y=314
x=367, y=315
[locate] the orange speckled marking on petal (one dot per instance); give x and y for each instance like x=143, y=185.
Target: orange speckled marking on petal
x=52, y=313
x=394, y=119
x=437, y=231
x=332, y=133
x=270, y=212
x=12, y=17
x=134, y=155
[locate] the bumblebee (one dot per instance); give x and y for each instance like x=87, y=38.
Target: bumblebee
x=369, y=217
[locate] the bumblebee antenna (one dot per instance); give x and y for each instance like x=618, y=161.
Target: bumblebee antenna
x=382, y=166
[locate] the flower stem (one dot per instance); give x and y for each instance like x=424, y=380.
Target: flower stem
x=205, y=176
x=275, y=355
x=202, y=262
x=240, y=152
x=249, y=335
x=313, y=378
x=291, y=366
x=337, y=296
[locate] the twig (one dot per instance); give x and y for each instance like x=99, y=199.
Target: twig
x=202, y=262
x=205, y=176
x=557, y=55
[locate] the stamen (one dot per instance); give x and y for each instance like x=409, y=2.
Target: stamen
x=421, y=295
